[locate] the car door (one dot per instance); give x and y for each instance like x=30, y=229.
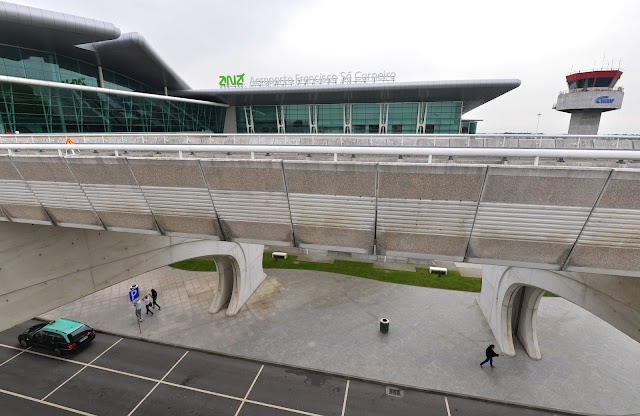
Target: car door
x=39, y=339
x=58, y=341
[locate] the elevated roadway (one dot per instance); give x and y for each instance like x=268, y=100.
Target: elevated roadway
x=561, y=219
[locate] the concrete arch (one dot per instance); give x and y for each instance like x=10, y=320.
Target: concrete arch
x=510, y=297
x=46, y=267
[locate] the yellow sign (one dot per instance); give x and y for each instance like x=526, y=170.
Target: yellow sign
x=69, y=141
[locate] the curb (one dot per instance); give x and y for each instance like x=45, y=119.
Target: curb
x=348, y=376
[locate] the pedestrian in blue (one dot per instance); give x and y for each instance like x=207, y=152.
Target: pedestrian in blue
x=490, y=354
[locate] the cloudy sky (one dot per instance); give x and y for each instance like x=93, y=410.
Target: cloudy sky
x=537, y=42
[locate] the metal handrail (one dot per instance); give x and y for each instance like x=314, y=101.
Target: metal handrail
x=339, y=150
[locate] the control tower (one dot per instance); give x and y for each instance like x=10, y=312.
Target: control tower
x=589, y=95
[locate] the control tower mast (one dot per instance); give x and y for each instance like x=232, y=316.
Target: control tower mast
x=589, y=95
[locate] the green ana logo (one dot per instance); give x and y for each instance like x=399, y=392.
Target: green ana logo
x=232, y=80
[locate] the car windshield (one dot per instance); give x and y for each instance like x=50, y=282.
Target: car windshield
x=78, y=332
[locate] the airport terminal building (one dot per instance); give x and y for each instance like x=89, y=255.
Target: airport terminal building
x=61, y=73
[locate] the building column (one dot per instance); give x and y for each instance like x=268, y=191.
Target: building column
x=100, y=77
x=347, y=112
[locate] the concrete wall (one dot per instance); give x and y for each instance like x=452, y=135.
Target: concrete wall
x=510, y=293
x=588, y=100
x=42, y=268
x=556, y=218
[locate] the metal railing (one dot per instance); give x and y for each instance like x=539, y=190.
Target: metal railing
x=429, y=152
x=537, y=141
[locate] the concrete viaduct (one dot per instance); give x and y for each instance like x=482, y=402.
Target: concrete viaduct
x=72, y=225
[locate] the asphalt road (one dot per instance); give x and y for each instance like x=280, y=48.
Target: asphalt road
x=121, y=376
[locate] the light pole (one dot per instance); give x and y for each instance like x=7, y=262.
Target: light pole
x=538, y=123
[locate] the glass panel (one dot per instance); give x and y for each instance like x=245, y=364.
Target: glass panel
x=330, y=118
x=54, y=110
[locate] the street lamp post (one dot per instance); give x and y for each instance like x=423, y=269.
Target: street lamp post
x=538, y=123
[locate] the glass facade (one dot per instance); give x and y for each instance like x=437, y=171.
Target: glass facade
x=38, y=109
x=47, y=66
x=392, y=118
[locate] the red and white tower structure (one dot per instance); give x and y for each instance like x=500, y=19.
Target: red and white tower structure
x=590, y=94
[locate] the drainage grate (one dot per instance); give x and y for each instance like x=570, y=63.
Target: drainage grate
x=394, y=391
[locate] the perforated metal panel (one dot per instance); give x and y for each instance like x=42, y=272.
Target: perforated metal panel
x=415, y=216
x=338, y=211
x=548, y=223
x=187, y=202
x=17, y=192
x=60, y=195
x=117, y=198
x=251, y=206
x=612, y=227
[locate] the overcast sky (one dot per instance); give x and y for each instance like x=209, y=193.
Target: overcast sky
x=537, y=42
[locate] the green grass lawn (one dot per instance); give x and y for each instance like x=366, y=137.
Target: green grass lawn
x=421, y=277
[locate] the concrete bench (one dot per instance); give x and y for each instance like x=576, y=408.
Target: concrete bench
x=278, y=255
x=438, y=270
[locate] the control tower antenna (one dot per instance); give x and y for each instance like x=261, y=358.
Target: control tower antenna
x=590, y=94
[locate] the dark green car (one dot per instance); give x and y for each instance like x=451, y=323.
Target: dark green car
x=59, y=336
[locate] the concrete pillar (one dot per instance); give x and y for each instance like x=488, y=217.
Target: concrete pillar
x=585, y=122
x=514, y=293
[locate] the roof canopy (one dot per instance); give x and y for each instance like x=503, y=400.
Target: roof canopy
x=93, y=41
x=473, y=93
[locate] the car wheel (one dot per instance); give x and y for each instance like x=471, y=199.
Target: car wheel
x=57, y=352
x=24, y=343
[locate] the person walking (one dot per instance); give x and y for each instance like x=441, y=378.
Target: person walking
x=490, y=354
x=154, y=297
x=147, y=304
x=138, y=305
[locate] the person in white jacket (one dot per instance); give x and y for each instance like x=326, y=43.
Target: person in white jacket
x=147, y=304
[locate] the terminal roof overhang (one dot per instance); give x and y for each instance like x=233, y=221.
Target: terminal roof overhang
x=473, y=93
x=93, y=41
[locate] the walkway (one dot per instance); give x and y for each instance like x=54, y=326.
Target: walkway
x=437, y=338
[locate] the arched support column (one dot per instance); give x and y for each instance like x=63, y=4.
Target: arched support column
x=510, y=297
x=44, y=267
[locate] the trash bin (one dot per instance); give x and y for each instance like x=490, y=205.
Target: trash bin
x=384, y=325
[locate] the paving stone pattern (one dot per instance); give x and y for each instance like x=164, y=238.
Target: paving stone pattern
x=437, y=338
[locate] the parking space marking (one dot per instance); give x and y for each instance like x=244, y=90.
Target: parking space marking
x=20, y=353
x=346, y=393
x=79, y=371
x=157, y=384
x=249, y=391
x=447, y=403
x=59, y=406
x=273, y=406
x=213, y=393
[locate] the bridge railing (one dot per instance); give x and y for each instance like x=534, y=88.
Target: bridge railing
x=180, y=150
x=526, y=141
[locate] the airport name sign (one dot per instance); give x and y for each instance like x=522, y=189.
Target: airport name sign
x=351, y=77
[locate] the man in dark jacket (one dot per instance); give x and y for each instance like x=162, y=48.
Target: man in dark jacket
x=154, y=297
x=490, y=354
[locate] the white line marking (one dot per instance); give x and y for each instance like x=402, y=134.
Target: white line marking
x=213, y=393
x=33, y=399
x=273, y=406
x=20, y=353
x=447, y=403
x=157, y=384
x=346, y=393
x=78, y=372
x=249, y=391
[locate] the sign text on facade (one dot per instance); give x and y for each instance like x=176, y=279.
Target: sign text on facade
x=351, y=77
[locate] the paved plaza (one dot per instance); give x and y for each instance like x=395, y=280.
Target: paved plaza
x=437, y=338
